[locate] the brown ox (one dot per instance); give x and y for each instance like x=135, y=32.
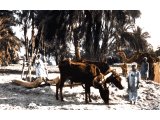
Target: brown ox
x=87, y=74
x=103, y=66
x=110, y=75
x=113, y=78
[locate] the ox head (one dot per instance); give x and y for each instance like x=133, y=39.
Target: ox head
x=104, y=91
x=113, y=78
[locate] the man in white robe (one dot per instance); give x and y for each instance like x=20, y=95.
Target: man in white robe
x=133, y=78
x=40, y=68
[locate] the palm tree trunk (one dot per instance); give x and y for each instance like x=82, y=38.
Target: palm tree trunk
x=77, y=50
x=32, y=39
x=56, y=57
x=42, y=37
x=26, y=40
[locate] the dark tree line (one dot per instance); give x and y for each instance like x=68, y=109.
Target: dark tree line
x=93, y=33
x=96, y=32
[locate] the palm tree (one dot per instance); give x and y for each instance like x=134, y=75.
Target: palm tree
x=158, y=51
x=23, y=19
x=141, y=37
x=59, y=28
x=9, y=43
x=32, y=18
x=27, y=20
x=87, y=29
x=137, y=39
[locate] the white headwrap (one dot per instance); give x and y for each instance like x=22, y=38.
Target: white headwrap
x=134, y=64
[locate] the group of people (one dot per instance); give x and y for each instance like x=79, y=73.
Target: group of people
x=134, y=78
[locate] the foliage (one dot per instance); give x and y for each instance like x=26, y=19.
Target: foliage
x=158, y=51
x=97, y=32
x=137, y=39
x=26, y=18
x=9, y=43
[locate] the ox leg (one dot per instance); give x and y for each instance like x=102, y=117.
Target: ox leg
x=86, y=97
x=61, y=90
x=61, y=95
x=57, y=87
x=89, y=94
x=71, y=83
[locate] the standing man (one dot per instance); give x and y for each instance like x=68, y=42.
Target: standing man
x=43, y=58
x=133, y=82
x=40, y=68
x=145, y=69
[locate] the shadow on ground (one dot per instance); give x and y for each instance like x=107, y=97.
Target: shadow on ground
x=25, y=98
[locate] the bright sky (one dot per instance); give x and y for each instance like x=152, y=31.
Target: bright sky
x=150, y=22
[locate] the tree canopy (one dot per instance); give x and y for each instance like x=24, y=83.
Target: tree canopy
x=94, y=34
x=97, y=32
x=9, y=43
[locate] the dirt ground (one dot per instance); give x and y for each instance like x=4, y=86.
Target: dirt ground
x=13, y=97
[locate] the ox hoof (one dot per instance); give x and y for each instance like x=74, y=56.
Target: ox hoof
x=106, y=103
x=57, y=98
x=62, y=100
x=86, y=102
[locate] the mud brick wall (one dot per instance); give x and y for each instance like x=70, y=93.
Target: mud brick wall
x=157, y=72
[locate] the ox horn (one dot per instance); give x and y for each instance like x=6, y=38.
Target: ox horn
x=106, y=76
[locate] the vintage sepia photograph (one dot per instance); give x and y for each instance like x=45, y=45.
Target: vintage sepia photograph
x=79, y=59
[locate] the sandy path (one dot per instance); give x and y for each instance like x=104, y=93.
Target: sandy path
x=43, y=98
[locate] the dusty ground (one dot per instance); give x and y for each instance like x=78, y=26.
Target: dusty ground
x=13, y=97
